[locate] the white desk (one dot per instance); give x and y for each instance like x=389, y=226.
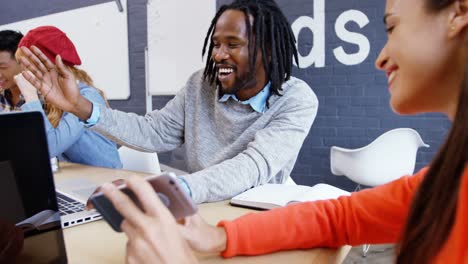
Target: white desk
x=96, y=242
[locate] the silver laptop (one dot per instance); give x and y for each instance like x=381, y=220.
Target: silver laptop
x=26, y=160
x=71, y=198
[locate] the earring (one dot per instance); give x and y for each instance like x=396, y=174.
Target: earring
x=452, y=28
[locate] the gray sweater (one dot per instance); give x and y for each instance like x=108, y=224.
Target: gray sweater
x=229, y=147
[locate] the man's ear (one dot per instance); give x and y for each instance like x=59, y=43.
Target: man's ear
x=458, y=20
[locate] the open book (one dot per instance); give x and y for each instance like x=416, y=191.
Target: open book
x=269, y=195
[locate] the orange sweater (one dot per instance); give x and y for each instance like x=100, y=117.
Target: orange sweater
x=371, y=216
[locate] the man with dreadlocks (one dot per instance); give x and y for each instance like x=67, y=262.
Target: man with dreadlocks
x=242, y=119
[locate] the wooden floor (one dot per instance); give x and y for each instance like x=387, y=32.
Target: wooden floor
x=377, y=254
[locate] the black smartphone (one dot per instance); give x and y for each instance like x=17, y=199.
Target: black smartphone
x=166, y=186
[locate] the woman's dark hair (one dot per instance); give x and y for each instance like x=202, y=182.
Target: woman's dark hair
x=9, y=40
x=272, y=33
x=432, y=215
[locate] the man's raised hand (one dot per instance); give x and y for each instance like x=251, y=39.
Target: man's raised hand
x=56, y=82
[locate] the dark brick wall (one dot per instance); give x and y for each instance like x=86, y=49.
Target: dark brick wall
x=354, y=99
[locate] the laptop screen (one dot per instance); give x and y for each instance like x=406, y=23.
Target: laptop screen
x=27, y=194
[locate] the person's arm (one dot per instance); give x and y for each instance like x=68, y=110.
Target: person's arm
x=374, y=215
x=152, y=232
x=271, y=150
x=69, y=129
x=59, y=139
x=159, y=130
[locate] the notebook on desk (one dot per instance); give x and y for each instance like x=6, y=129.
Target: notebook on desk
x=269, y=196
x=27, y=177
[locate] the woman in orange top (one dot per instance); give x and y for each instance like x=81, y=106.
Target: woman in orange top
x=426, y=214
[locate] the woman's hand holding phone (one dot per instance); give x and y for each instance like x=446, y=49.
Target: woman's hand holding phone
x=153, y=233
x=166, y=186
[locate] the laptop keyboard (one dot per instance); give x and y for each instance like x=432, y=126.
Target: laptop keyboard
x=68, y=206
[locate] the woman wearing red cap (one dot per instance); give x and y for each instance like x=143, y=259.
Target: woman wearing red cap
x=66, y=135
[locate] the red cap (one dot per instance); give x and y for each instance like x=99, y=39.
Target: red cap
x=52, y=42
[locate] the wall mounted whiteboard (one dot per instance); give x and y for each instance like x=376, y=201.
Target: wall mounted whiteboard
x=100, y=35
x=176, y=31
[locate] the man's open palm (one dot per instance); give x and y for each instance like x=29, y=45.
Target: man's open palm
x=55, y=81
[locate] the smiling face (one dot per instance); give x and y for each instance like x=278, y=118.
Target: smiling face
x=421, y=59
x=8, y=69
x=231, y=55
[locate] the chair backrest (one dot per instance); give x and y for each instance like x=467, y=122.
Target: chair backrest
x=139, y=161
x=388, y=157
x=290, y=181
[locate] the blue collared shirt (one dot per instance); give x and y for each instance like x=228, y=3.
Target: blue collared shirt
x=258, y=102
x=72, y=142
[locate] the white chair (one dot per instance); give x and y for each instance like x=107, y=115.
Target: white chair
x=139, y=161
x=388, y=157
x=290, y=181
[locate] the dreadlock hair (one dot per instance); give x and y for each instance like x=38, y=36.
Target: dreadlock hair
x=271, y=32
